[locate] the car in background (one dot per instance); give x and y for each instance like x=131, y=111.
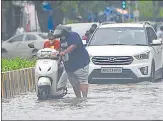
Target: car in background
x=17, y=46
x=125, y=52
x=81, y=29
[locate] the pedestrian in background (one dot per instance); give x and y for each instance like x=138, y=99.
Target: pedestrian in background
x=20, y=30
x=93, y=28
x=160, y=33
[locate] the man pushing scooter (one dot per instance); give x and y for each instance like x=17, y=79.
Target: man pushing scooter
x=76, y=59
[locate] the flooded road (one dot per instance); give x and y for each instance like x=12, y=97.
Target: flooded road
x=131, y=101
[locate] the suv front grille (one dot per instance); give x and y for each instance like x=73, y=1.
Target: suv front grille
x=112, y=60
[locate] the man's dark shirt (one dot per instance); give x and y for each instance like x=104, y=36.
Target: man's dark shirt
x=78, y=58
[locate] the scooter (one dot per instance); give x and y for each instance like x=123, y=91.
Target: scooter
x=50, y=74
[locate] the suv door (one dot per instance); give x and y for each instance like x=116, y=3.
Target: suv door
x=157, y=48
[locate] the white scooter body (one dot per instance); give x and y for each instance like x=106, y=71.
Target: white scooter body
x=46, y=75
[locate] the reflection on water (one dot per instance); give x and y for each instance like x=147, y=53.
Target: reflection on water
x=131, y=101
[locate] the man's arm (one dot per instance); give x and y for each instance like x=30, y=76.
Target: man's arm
x=70, y=49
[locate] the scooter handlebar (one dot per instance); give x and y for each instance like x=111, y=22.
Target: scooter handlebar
x=62, y=57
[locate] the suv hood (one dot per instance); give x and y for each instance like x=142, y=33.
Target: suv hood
x=116, y=50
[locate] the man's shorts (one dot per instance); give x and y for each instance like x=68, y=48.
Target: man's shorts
x=80, y=75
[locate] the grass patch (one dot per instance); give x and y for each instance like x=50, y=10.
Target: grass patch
x=16, y=63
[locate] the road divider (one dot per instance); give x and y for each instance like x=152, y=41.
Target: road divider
x=18, y=81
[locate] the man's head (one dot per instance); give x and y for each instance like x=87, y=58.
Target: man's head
x=69, y=28
x=93, y=27
x=161, y=28
x=61, y=32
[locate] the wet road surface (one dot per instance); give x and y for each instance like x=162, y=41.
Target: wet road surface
x=131, y=101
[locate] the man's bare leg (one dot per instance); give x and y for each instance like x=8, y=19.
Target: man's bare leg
x=84, y=89
x=77, y=90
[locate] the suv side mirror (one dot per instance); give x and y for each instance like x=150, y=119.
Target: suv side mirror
x=31, y=45
x=156, y=42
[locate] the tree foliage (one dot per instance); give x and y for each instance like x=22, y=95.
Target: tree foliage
x=72, y=9
x=161, y=12
x=150, y=10
x=145, y=9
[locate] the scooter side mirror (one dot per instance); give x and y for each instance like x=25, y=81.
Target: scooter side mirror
x=31, y=45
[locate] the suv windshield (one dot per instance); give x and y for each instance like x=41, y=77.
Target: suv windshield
x=119, y=35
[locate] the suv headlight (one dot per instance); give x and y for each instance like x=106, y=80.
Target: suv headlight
x=142, y=56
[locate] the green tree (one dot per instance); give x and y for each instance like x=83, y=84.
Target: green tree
x=146, y=9
x=87, y=7
x=161, y=13
x=57, y=13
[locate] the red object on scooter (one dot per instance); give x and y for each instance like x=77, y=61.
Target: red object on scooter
x=84, y=38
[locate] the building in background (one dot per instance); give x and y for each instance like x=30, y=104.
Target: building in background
x=30, y=19
x=14, y=14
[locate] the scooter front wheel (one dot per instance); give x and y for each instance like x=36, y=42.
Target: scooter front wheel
x=43, y=93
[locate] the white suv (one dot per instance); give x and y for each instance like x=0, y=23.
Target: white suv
x=125, y=51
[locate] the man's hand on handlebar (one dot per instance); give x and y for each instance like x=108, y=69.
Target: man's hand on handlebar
x=62, y=53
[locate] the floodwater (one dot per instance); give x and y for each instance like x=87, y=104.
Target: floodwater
x=110, y=101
